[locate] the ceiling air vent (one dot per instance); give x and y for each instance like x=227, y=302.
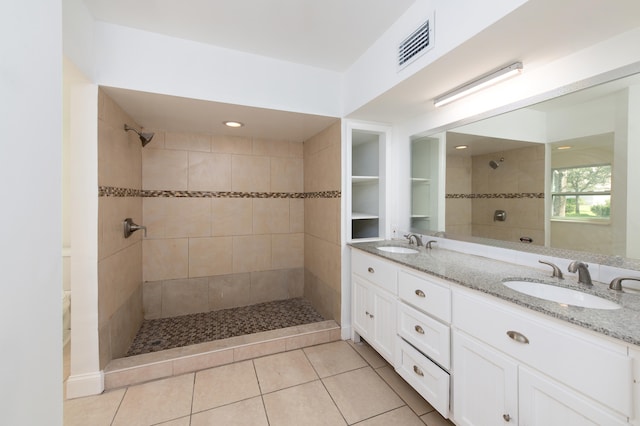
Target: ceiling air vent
x=412, y=47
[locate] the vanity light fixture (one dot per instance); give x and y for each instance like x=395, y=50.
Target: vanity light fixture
x=234, y=124
x=462, y=146
x=478, y=84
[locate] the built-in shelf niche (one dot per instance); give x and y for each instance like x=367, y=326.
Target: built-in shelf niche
x=367, y=177
x=424, y=152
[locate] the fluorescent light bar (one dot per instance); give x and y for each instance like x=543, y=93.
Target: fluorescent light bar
x=479, y=84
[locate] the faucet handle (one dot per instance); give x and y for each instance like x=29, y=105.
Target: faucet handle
x=616, y=283
x=556, y=271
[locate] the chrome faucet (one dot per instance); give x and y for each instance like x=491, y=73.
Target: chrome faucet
x=616, y=283
x=429, y=243
x=556, y=271
x=582, y=268
x=410, y=237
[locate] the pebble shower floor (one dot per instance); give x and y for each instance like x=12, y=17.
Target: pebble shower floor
x=166, y=333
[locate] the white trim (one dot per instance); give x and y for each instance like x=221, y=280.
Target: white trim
x=85, y=384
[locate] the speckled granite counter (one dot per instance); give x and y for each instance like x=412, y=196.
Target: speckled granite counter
x=486, y=275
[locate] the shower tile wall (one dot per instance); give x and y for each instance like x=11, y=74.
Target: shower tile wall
x=322, y=218
x=119, y=259
x=475, y=191
x=521, y=175
x=225, y=219
x=458, y=210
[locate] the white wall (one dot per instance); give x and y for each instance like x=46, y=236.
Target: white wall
x=77, y=38
x=30, y=181
x=140, y=60
x=456, y=21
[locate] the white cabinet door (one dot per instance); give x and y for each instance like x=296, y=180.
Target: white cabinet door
x=485, y=384
x=544, y=402
x=361, y=319
x=384, y=323
x=374, y=316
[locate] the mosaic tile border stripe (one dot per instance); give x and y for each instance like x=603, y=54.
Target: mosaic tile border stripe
x=110, y=191
x=499, y=195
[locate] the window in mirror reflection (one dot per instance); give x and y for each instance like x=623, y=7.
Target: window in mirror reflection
x=582, y=193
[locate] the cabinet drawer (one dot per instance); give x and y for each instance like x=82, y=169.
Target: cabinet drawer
x=597, y=368
x=426, y=295
x=429, y=380
x=428, y=335
x=375, y=270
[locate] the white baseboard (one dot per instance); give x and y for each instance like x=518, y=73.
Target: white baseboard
x=85, y=384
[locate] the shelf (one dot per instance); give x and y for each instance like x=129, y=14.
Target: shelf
x=357, y=216
x=420, y=180
x=420, y=216
x=364, y=179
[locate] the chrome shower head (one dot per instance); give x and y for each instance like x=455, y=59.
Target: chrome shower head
x=145, y=138
x=494, y=165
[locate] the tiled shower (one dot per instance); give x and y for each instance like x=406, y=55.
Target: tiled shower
x=475, y=191
x=230, y=222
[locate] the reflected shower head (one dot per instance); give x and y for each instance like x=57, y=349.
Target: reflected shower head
x=494, y=165
x=145, y=138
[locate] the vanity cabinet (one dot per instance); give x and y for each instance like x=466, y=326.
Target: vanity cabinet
x=510, y=366
x=374, y=287
x=423, y=350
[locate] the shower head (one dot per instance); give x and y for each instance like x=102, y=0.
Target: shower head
x=494, y=165
x=145, y=138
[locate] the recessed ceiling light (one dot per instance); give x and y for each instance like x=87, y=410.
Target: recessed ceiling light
x=233, y=124
x=462, y=146
x=564, y=147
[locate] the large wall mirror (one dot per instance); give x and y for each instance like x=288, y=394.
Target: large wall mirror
x=558, y=174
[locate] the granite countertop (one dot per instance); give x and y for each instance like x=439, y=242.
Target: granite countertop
x=486, y=275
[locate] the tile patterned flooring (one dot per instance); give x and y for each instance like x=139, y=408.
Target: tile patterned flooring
x=337, y=383
x=167, y=333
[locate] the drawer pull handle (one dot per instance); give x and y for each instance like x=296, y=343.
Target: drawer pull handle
x=518, y=337
x=419, y=329
x=506, y=417
x=420, y=293
x=418, y=371
x=371, y=270
x=368, y=314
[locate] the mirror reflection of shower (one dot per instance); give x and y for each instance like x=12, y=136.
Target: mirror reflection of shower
x=494, y=165
x=145, y=138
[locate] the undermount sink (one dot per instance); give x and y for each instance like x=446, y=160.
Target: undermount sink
x=396, y=249
x=564, y=296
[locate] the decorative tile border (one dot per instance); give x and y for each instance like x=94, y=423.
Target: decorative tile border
x=109, y=191
x=499, y=195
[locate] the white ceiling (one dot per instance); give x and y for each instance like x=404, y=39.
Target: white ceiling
x=161, y=112
x=329, y=34
x=332, y=34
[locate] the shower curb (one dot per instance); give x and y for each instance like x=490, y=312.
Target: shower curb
x=174, y=362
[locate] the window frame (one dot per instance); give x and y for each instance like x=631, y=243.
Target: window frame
x=593, y=220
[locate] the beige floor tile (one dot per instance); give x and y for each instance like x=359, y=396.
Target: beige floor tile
x=334, y=358
x=182, y=421
x=412, y=398
x=369, y=354
x=156, y=402
x=361, y=394
x=435, y=419
x=243, y=413
x=283, y=370
x=224, y=385
x=401, y=416
x=307, y=404
x=92, y=410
